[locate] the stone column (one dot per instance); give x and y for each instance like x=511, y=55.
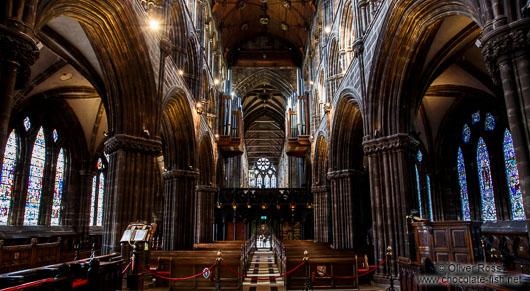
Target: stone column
x=506, y=52
x=321, y=213
x=179, y=211
x=204, y=215
x=18, y=52
x=129, y=185
x=391, y=161
x=80, y=219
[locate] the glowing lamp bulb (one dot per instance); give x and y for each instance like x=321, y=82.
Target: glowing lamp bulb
x=154, y=24
x=327, y=29
x=181, y=72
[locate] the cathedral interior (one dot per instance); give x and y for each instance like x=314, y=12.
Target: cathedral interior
x=374, y=134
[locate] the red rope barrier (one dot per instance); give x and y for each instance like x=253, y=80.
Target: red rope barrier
x=257, y=278
x=349, y=277
x=124, y=270
x=177, y=279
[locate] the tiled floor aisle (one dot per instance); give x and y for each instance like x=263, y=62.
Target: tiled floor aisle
x=263, y=266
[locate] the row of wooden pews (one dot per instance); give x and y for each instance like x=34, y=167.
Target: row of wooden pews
x=181, y=264
x=100, y=273
x=341, y=263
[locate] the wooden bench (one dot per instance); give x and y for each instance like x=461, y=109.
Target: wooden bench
x=179, y=264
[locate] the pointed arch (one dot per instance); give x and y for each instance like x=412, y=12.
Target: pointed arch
x=7, y=178
x=487, y=194
x=512, y=177
x=462, y=181
x=264, y=76
x=58, y=188
x=36, y=175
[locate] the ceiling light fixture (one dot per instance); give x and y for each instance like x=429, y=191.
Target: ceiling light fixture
x=284, y=26
x=65, y=76
x=286, y=4
x=264, y=19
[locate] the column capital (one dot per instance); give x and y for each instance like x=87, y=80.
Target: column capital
x=19, y=48
x=133, y=143
x=502, y=42
x=206, y=188
x=358, y=48
x=397, y=141
x=173, y=174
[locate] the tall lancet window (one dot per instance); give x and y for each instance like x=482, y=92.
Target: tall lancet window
x=8, y=177
x=98, y=194
x=489, y=212
x=512, y=177
x=36, y=173
x=419, y=157
x=462, y=181
x=58, y=189
x=429, y=197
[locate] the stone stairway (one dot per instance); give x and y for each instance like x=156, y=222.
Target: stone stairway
x=263, y=266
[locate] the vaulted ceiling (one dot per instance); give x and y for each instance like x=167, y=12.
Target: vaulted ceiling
x=241, y=21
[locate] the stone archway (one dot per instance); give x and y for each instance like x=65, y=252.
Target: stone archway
x=321, y=195
x=180, y=173
x=205, y=193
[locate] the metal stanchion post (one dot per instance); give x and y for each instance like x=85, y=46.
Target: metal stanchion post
x=389, y=258
x=135, y=280
x=307, y=271
x=218, y=271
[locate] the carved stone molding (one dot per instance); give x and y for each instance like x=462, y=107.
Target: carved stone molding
x=174, y=174
x=398, y=141
x=20, y=49
x=332, y=175
x=320, y=189
x=205, y=188
x=358, y=48
x=133, y=143
x=504, y=42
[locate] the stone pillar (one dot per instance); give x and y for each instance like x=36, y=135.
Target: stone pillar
x=130, y=185
x=391, y=161
x=506, y=52
x=179, y=205
x=18, y=52
x=321, y=213
x=81, y=218
x=204, y=215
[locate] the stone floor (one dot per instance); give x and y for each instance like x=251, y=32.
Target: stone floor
x=263, y=266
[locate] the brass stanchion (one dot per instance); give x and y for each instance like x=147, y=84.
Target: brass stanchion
x=218, y=271
x=307, y=271
x=389, y=258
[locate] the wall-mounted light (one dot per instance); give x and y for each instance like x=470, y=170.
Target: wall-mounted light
x=327, y=107
x=234, y=206
x=327, y=29
x=216, y=82
x=199, y=108
x=154, y=24
x=180, y=72
x=146, y=133
x=263, y=206
x=311, y=83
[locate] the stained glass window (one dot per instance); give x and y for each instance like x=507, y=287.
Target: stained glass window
x=58, y=190
x=512, y=176
x=466, y=133
x=419, y=192
x=429, y=196
x=101, y=192
x=55, y=135
x=489, y=212
x=260, y=181
x=27, y=123
x=475, y=117
x=462, y=181
x=489, y=123
x=36, y=173
x=93, y=201
x=267, y=182
x=420, y=156
x=262, y=174
x=100, y=164
x=8, y=177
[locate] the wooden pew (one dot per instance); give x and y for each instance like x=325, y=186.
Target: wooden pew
x=179, y=264
x=75, y=275
x=340, y=263
x=14, y=258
